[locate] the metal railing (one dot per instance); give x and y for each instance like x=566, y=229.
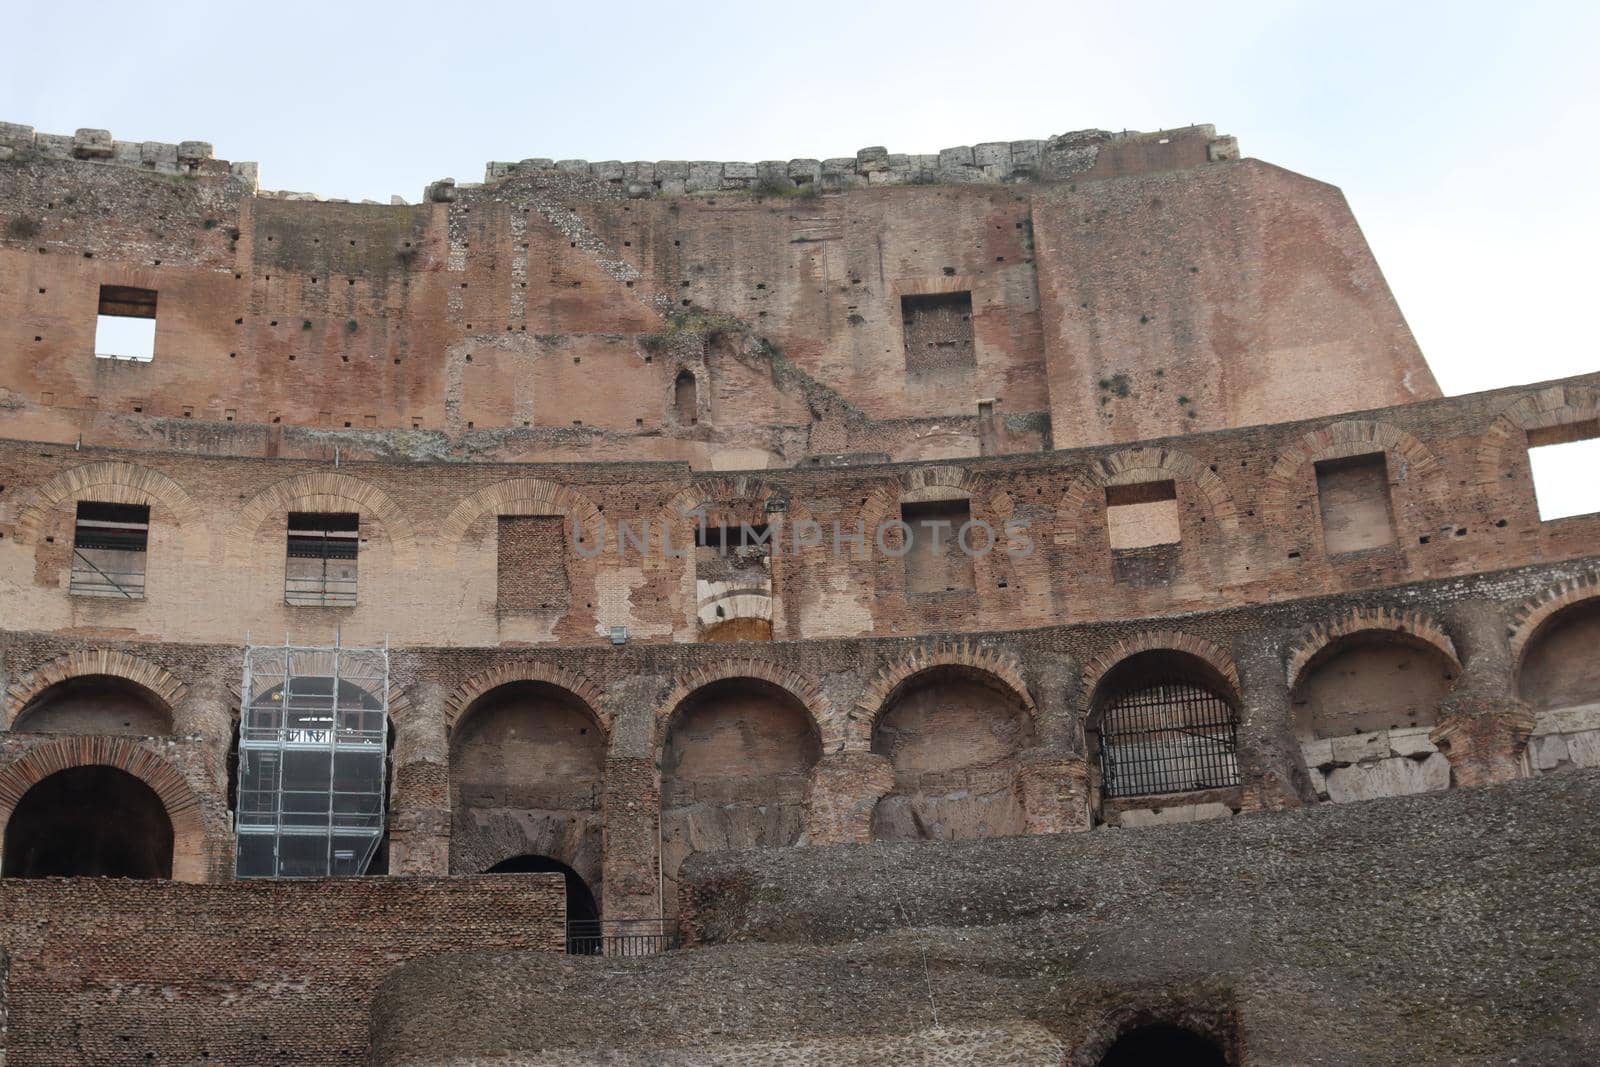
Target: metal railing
x=620, y=937
x=320, y=591
x=89, y=579
x=1168, y=736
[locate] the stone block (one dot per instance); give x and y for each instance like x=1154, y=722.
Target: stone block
x=1359, y=747
x=442, y=191
x=1318, y=753
x=92, y=144
x=16, y=135
x=572, y=166
x=1568, y=720
x=871, y=160
x=251, y=172
x=7, y=153
x=1583, y=749
x=1176, y=814
x=53, y=145
x=805, y=169
x=704, y=176
x=838, y=165
x=1548, y=752
x=155, y=154
x=126, y=152
x=609, y=170
x=674, y=186
x=952, y=158
x=639, y=171
x=494, y=170
x=1411, y=741
x=772, y=170
x=194, y=151
x=1026, y=154
x=1223, y=148
x=537, y=163
x=738, y=170
x=1319, y=783
x=1431, y=774
x=668, y=169
x=992, y=154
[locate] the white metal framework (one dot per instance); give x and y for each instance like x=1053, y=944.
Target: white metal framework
x=313, y=749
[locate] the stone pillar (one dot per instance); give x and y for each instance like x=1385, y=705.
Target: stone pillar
x=1272, y=773
x=1483, y=725
x=1053, y=778
x=419, y=795
x=841, y=794
x=631, y=804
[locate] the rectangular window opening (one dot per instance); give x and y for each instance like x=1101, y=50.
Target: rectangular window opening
x=1142, y=515
x=935, y=560
x=1353, y=498
x=320, y=570
x=938, y=332
x=109, y=548
x=1564, y=460
x=742, y=539
x=125, y=326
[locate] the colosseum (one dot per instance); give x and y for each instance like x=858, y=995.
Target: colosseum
x=1024, y=604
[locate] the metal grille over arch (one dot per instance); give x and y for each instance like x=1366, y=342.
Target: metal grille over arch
x=1164, y=722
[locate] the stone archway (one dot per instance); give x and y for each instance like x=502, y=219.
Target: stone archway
x=89, y=821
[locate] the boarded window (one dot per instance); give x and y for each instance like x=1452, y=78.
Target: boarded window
x=1564, y=460
x=938, y=332
x=1138, y=516
x=532, y=563
x=935, y=562
x=109, y=544
x=1353, y=494
x=321, y=566
x=125, y=327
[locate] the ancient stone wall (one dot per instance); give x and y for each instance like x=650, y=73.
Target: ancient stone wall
x=113, y=971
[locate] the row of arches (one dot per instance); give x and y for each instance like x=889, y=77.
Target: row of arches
x=736, y=756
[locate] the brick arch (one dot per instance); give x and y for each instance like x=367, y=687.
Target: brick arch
x=1556, y=405
x=894, y=678
x=1131, y=466
x=808, y=693
x=485, y=682
x=741, y=603
x=111, y=482
x=323, y=491
x=125, y=754
x=519, y=496
x=1530, y=617
x=1213, y=655
x=1285, y=483
x=930, y=481
x=1323, y=635
x=90, y=662
x=747, y=492
x=399, y=700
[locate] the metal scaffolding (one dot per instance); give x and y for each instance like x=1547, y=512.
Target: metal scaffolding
x=313, y=749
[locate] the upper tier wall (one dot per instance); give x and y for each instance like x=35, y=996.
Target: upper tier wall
x=1125, y=288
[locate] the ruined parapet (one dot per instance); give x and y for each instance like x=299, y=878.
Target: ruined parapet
x=1067, y=156
x=22, y=144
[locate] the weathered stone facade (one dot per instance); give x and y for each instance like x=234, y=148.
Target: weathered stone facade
x=1026, y=489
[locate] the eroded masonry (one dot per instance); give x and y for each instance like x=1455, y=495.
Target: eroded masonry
x=404, y=603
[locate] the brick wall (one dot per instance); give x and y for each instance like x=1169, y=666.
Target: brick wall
x=111, y=971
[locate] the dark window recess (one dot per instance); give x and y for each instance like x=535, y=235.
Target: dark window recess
x=125, y=323
x=1353, y=496
x=938, y=332
x=741, y=538
x=685, y=399
x=109, y=546
x=321, y=566
x=935, y=561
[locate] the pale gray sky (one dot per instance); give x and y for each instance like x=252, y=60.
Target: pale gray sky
x=1458, y=131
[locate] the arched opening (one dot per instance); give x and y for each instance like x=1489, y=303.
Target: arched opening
x=953, y=736
x=734, y=768
x=1559, y=677
x=581, y=904
x=1369, y=681
x=1166, y=1045
x=685, y=399
x=527, y=765
x=91, y=821
x=1162, y=722
x=96, y=704
x=1363, y=709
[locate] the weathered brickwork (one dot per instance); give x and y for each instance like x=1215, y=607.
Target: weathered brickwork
x=1028, y=488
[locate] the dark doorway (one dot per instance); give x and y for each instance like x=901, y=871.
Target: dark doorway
x=581, y=906
x=89, y=822
x=1163, y=1046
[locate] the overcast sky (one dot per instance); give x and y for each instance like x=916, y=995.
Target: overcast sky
x=1461, y=133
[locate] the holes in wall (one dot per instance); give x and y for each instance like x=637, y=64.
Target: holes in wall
x=1563, y=460
x=125, y=326
x=1353, y=497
